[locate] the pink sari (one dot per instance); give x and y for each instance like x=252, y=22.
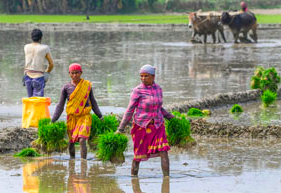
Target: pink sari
x=148, y=142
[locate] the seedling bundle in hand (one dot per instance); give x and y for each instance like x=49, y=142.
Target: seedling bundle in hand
x=108, y=124
x=50, y=136
x=178, y=131
x=111, y=147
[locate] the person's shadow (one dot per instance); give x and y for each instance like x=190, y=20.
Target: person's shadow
x=164, y=189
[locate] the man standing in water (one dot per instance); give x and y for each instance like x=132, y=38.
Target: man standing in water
x=35, y=74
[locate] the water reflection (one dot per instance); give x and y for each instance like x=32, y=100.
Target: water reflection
x=44, y=176
x=165, y=188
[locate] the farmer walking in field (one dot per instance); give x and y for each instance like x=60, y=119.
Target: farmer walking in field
x=81, y=101
x=148, y=131
x=35, y=73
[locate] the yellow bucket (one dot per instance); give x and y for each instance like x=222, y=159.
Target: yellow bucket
x=33, y=109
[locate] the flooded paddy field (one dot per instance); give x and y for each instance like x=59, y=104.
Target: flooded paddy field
x=214, y=165
x=185, y=71
x=111, y=60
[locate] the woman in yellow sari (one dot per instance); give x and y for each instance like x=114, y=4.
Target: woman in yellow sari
x=80, y=103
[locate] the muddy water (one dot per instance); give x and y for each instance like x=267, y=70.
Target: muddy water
x=214, y=165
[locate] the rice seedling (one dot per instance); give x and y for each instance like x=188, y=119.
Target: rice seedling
x=27, y=152
x=236, y=109
x=178, y=131
x=50, y=136
x=194, y=112
x=270, y=80
x=268, y=97
x=111, y=147
x=108, y=124
x=265, y=79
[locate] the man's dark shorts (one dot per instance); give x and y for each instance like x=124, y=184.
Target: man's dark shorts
x=34, y=86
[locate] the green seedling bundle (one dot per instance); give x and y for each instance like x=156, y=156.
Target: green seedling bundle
x=111, y=147
x=108, y=124
x=236, y=109
x=265, y=79
x=194, y=112
x=268, y=97
x=178, y=131
x=27, y=152
x=50, y=136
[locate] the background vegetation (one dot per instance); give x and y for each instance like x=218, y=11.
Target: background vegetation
x=123, y=6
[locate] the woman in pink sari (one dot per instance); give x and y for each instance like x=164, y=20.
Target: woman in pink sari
x=148, y=131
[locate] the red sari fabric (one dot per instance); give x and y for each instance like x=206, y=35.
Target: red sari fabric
x=148, y=142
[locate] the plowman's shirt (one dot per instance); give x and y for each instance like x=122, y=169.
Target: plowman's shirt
x=147, y=102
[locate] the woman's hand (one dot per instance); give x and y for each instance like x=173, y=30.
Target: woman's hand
x=119, y=131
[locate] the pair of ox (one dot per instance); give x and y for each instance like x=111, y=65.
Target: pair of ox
x=239, y=23
x=205, y=25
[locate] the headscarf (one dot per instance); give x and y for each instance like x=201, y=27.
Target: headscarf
x=148, y=69
x=75, y=66
x=243, y=5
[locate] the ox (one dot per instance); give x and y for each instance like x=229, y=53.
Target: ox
x=205, y=26
x=241, y=23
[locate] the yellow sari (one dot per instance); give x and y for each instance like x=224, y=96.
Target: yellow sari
x=79, y=120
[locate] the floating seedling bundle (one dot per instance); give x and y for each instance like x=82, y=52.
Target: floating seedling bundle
x=50, y=136
x=108, y=124
x=111, y=147
x=27, y=152
x=178, y=131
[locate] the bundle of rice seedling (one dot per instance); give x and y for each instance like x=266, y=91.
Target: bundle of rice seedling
x=265, y=79
x=270, y=80
x=194, y=112
x=268, y=97
x=236, y=109
x=108, y=124
x=178, y=131
x=111, y=147
x=27, y=152
x=50, y=136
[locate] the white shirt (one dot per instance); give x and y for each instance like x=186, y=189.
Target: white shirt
x=35, y=59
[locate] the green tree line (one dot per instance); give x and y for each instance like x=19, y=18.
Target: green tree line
x=123, y=6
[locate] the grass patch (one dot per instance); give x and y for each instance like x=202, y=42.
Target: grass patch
x=138, y=19
x=27, y=152
x=178, y=131
x=111, y=147
x=50, y=136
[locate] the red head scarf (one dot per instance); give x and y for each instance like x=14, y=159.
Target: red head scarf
x=75, y=66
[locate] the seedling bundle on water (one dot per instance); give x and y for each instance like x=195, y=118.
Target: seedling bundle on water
x=50, y=136
x=178, y=131
x=111, y=147
x=236, y=109
x=194, y=112
x=27, y=152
